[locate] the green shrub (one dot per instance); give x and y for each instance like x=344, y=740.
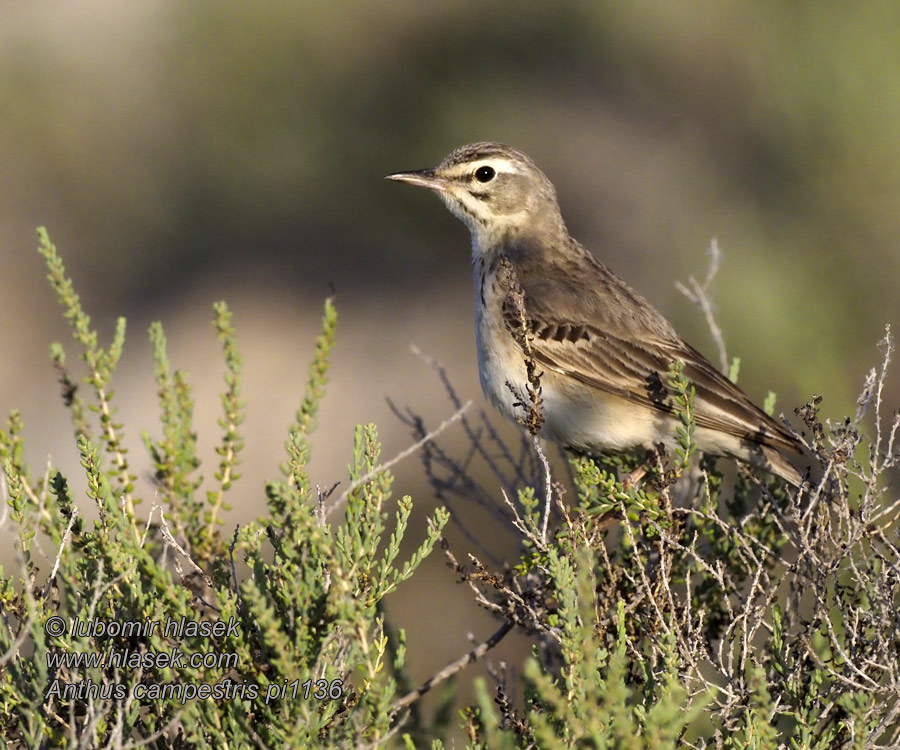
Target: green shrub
x=666, y=608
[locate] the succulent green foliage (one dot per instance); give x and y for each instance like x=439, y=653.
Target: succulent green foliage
x=667, y=606
x=684, y=610
x=300, y=600
x=233, y=408
x=304, y=421
x=174, y=455
x=101, y=364
x=684, y=393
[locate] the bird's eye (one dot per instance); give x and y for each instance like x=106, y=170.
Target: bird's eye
x=484, y=174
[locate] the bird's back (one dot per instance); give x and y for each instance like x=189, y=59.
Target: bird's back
x=591, y=326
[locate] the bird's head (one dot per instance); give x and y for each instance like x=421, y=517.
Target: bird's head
x=497, y=191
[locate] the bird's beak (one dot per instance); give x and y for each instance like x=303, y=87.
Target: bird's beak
x=423, y=178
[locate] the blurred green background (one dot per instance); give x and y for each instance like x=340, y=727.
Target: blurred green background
x=185, y=152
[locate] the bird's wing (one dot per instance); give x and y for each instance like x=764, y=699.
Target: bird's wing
x=618, y=343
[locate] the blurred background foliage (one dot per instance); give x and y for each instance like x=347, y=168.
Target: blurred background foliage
x=185, y=152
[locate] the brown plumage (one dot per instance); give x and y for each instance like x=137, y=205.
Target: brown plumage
x=604, y=350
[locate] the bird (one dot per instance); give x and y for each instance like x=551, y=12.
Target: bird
x=602, y=353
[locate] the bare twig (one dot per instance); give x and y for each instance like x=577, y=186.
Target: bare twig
x=339, y=503
x=699, y=294
x=62, y=545
x=473, y=435
x=170, y=540
x=548, y=486
x=452, y=668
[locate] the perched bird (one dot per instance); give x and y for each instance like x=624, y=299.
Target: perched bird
x=602, y=351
